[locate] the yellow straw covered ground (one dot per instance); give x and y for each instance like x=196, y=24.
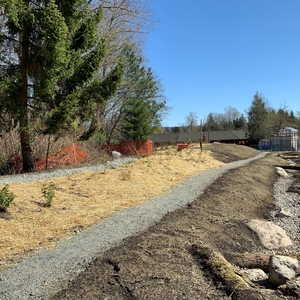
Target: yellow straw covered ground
x=83, y=199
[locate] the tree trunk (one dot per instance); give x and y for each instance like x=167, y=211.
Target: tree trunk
x=26, y=152
x=24, y=96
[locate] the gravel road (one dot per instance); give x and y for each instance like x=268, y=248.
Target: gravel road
x=46, y=272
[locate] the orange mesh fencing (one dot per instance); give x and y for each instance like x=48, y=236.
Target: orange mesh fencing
x=143, y=148
x=67, y=156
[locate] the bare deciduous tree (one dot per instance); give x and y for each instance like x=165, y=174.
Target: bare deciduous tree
x=191, y=120
x=230, y=115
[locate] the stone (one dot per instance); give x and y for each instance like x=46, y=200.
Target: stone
x=281, y=172
x=291, y=288
x=257, y=276
x=282, y=269
x=283, y=214
x=116, y=154
x=270, y=235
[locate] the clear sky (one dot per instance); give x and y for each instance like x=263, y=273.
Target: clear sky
x=212, y=54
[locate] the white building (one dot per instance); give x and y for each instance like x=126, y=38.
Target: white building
x=285, y=140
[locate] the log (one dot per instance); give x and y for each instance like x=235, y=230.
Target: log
x=254, y=261
x=289, y=156
x=249, y=260
x=236, y=286
x=290, y=167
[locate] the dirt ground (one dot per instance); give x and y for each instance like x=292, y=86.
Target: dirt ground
x=160, y=263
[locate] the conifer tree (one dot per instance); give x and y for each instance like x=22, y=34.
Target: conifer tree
x=257, y=119
x=139, y=91
x=50, y=54
x=136, y=121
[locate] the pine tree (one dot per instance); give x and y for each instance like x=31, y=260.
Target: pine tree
x=137, y=120
x=139, y=91
x=257, y=119
x=50, y=55
x=240, y=123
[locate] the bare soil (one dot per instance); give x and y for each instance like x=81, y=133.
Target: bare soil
x=160, y=263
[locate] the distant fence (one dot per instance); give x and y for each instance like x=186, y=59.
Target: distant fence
x=280, y=144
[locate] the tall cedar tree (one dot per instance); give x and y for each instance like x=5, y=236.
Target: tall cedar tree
x=50, y=54
x=142, y=101
x=257, y=119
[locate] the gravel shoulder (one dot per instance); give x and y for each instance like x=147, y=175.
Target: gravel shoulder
x=144, y=252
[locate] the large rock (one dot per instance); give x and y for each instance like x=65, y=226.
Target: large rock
x=257, y=276
x=281, y=172
x=116, y=154
x=270, y=235
x=282, y=269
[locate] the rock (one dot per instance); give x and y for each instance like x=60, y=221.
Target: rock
x=283, y=214
x=281, y=172
x=255, y=275
x=116, y=154
x=291, y=288
x=282, y=269
x=294, y=189
x=270, y=235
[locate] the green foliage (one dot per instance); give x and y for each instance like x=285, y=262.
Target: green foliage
x=240, y=123
x=48, y=193
x=140, y=95
x=137, y=119
x=6, y=198
x=257, y=119
x=50, y=58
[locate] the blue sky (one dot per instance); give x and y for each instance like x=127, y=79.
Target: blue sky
x=212, y=54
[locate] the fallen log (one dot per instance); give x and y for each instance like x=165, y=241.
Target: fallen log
x=254, y=261
x=290, y=167
x=249, y=260
x=236, y=286
x=289, y=156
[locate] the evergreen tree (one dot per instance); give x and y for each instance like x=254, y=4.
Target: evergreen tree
x=257, y=119
x=136, y=120
x=240, y=123
x=138, y=84
x=211, y=123
x=50, y=54
x=175, y=129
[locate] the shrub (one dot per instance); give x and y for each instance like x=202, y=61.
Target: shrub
x=48, y=192
x=6, y=198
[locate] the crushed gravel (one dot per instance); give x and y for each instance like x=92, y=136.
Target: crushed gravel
x=287, y=213
x=31, y=177
x=46, y=272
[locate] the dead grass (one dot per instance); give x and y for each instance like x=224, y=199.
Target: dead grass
x=83, y=199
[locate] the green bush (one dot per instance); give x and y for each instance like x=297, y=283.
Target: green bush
x=48, y=192
x=6, y=198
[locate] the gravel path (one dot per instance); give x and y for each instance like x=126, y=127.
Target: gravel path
x=30, y=177
x=48, y=271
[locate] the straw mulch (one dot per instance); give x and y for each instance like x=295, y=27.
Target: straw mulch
x=84, y=199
